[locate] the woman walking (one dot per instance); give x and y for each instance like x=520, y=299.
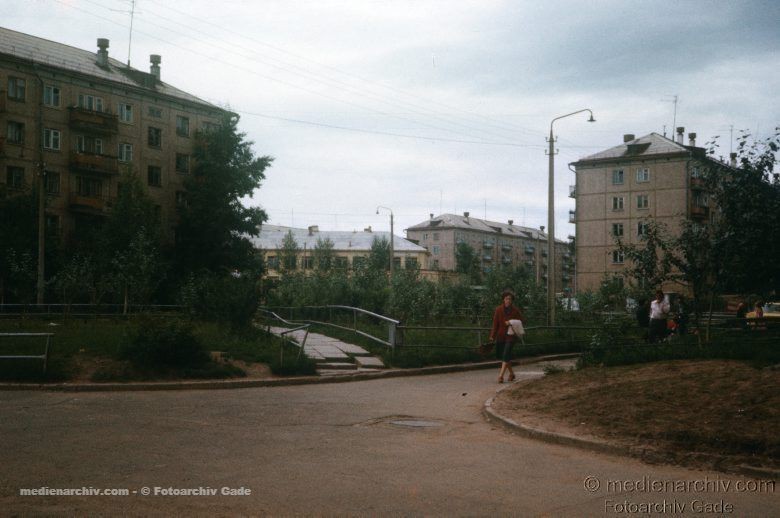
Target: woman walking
x=500, y=334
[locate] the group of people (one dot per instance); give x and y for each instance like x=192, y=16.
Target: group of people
x=655, y=318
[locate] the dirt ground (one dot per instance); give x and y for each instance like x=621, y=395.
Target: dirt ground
x=679, y=409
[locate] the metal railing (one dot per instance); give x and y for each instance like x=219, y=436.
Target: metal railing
x=353, y=314
x=566, y=332
x=82, y=310
x=283, y=335
x=44, y=356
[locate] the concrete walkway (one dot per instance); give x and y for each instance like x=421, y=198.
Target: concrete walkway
x=332, y=355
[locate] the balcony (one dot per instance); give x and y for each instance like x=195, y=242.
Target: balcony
x=506, y=246
x=572, y=216
x=572, y=191
x=544, y=252
x=700, y=213
x=488, y=243
x=697, y=182
x=506, y=260
x=3, y=101
x=487, y=257
x=529, y=249
x=89, y=204
x=92, y=163
x=92, y=121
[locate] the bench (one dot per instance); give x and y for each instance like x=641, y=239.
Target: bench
x=44, y=356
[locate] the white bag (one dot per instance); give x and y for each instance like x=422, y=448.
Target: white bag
x=515, y=328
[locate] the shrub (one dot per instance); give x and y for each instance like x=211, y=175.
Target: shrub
x=160, y=345
x=228, y=299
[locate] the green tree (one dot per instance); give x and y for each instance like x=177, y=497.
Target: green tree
x=467, y=262
x=323, y=254
x=288, y=254
x=379, y=255
x=214, y=225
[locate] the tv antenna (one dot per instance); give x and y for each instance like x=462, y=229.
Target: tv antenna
x=673, y=99
x=131, y=12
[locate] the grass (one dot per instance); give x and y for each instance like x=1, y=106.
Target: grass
x=88, y=349
x=679, y=408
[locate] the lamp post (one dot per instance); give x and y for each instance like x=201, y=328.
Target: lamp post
x=551, y=219
x=392, y=240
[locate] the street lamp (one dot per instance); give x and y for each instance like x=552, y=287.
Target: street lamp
x=392, y=239
x=551, y=219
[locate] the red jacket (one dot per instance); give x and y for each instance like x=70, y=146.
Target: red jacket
x=498, y=331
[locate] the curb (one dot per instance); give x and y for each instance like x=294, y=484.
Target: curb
x=649, y=456
x=276, y=382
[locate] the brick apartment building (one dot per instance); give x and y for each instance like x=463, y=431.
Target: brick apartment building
x=496, y=244
x=83, y=118
x=620, y=189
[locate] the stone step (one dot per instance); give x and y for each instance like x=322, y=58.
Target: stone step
x=371, y=362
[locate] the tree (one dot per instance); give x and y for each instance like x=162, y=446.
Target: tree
x=467, y=261
x=18, y=232
x=214, y=226
x=379, y=256
x=288, y=254
x=323, y=254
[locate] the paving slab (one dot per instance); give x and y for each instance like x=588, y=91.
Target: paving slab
x=369, y=361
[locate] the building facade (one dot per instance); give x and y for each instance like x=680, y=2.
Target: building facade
x=349, y=248
x=77, y=120
x=620, y=189
x=496, y=244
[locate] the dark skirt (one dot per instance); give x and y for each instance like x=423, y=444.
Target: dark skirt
x=505, y=353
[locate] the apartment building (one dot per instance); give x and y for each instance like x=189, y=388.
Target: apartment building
x=350, y=249
x=497, y=244
x=620, y=189
x=82, y=119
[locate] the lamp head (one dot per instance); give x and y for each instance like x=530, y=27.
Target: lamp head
x=591, y=118
x=377, y=211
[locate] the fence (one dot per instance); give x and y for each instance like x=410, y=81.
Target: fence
x=44, y=356
x=84, y=310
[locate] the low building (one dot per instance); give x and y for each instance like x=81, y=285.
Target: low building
x=496, y=244
x=349, y=248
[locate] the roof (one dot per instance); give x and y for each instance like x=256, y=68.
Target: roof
x=645, y=147
x=271, y=237
x=483, y=225
x=64, y=57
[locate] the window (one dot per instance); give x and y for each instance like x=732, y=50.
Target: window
x=617, y=229
x=411, y=263
x=15, y=133
x=210, y=126
x=641, y=229
x=90, y=102
x=125, y=112
x=51, y=96
x=308, y=262
x=358, y=262
x=396, y=263
x=14, y=177
x=16, y=88
x=700, y=199
x=52, y=182
x=425, y=237
x=341, y=263
x=51, y=139
x=90, y=187
x=154, y=175
x=52, y=224
x=273, y=262
x=182, y=126
x=436, y=250
x=617, y=203
x=181, y=199
x=125, y=152
x=695, y=172
x=154, y=137
x=435, y=236
x=182, y=163
x=642, y=175
x=154, y=112
x=617, y=257
x=91, y=145
x=642, y=201
x=617, y=177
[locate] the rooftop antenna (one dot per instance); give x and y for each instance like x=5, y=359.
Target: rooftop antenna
x=674, y=99
x=485, y=208
x=131, y=12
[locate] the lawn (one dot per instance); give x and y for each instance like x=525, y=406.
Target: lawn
x=679, y=409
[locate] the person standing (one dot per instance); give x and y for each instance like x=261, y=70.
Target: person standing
x=499, y=332
x=659, y=310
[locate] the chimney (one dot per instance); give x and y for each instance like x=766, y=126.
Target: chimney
x=431, y=215
x=313, y=229
x=628, y=137
x=692, y=139
x=511, y=221
x=465, y=214
x=154, y=69
x=541, y=227
x=102, y=53
x=733, y=157
x=367, y=229
x=680, y=132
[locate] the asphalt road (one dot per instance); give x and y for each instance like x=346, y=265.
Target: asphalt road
x=326, y=450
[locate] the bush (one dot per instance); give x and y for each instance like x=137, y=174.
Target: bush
x=228, y=299
x=160, y=345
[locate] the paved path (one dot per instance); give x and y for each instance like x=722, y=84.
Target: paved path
x=332, y=355
x=319, y=449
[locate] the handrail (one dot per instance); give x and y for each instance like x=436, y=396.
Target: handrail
x=283, y=333
x=44, y=356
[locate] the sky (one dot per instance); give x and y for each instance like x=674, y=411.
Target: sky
x=440, y=106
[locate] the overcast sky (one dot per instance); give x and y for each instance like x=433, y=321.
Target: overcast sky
x=429, y=106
